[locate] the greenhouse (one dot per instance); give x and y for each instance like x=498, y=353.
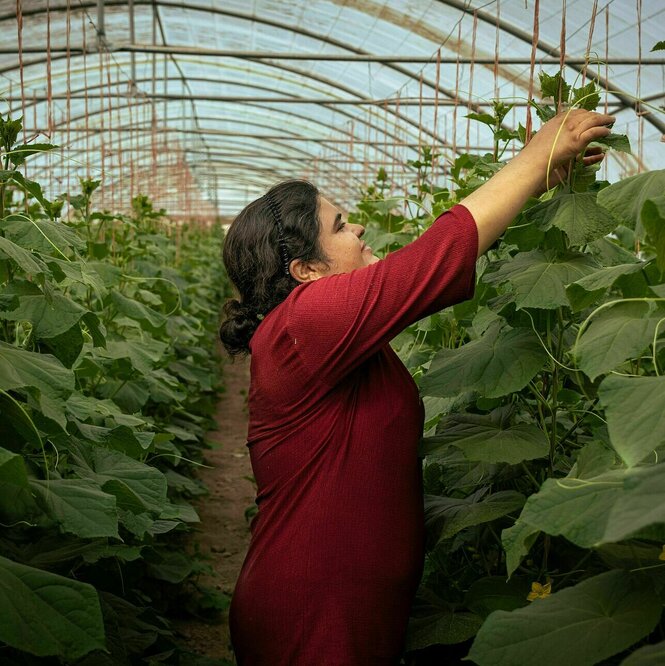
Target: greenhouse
x=332, y=332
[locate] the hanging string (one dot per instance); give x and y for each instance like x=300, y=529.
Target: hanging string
x=532, y=68
x=607, y=51
x=638, y=94
x=101, y=130
x=587, y=55
x=562, y=53
x=497, y=39
x=69, y=97
x=19, y=25
x=456, y=98
x=49, y=86
x=471, y=68
x=436, y=112
x=85, y=98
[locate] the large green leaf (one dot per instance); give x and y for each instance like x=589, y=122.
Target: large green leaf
x=538, y=279
x=577, y=509
x=144, y=356
x=131, y=308
x=618, y=333
x=496, y=593
x=18, y=154
x=50, y=316
x=641, y=505
x=137, y=486
x=517, y=541
x=498, y=363
x=79, y=506
x=584, y=292
x=441, y=627
x=482, y=438
x=635, y=412
x=653, y=219
x=45, y=614
x=649, y=655
x=25, y=260
x=624, y=199
x=20, y=369
x=16, y=502
x=577, y=214
x=446, y=516
x=578, y=626
x=41, y=235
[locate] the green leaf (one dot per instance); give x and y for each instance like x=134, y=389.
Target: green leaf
x=20, y=369
x=25, y=260
x=618, y=142
x=618, y=333
x=586, y=97
x=635, y=412
x=484, y=118
x=500, y=362
x=134, y=310
x=14, y=412
x=137, y=486
x=517, y=541
x=45, y=614
x=172, y=566
x=41, y=235
x=641, y=505
x=79, y=506
x=590, y=288
x=653, y=220
x=441, y=627
x=446, y=516
x=625, y=199
x=648, y=655
x=29, y=186
x=496, y=593
x=49, y=316
x=538, y=279
x=659, y=46
x=481, y=439
x=577, y=626
x=574, y=508
x=18, y=154
x=554, y=86
x=577, y=213
x=16, y=502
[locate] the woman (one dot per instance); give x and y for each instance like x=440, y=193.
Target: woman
x=336, y=552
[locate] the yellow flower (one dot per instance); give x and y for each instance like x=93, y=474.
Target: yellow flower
x=662, y=554
x=539, y=591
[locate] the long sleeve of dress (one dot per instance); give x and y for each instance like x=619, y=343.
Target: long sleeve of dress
x=338, y=321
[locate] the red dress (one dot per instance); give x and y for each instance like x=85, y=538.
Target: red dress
x=337, y=545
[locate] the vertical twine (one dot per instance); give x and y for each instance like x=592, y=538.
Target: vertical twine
x=436, y=109
x=562, y=52
x=638, y=94
x=420, y=124
x=110, y=110
x=102, y=143
x=85, y=100
x=19, y=26
x=456, y=98
x=532, y=68
x=497, y=39
x=471, y=68
x=592, y=25
x=69, y=95
x=49, y=85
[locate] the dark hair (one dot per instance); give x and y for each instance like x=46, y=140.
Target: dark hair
x=253, y=255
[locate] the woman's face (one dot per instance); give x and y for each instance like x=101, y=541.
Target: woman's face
x=341, y=242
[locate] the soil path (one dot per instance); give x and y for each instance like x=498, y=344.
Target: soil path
x=223, y=534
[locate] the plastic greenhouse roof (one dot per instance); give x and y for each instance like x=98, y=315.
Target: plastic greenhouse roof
x=240, y=94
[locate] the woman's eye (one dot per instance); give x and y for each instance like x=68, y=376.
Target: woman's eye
x=341, y=226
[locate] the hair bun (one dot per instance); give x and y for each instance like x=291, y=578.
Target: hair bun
x=239, y=326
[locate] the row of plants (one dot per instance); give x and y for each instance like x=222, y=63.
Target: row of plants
x=108, y=380
x=544, y=446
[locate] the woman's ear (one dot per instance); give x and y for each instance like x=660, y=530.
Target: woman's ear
x=305, y=271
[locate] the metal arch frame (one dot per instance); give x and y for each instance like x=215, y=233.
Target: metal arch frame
x=524, y=36
x=282, y=26
x=456, y=4
x=376, y=147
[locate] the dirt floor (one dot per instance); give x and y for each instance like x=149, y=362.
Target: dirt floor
x=223, y=533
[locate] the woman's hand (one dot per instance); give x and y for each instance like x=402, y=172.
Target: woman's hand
x=495, y=203
x=560, y=174
x=560, y=140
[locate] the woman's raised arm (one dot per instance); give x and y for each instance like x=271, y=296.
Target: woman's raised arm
x=496, y=203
